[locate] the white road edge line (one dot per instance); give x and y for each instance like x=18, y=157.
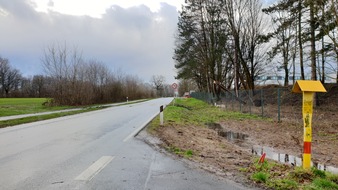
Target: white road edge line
x=134, y=133
x=153, y=159
x=94, y=169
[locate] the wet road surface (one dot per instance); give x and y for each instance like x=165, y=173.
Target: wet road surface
x=94, y=150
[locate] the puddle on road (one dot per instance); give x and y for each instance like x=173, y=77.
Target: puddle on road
x=237, y=138
x=240, y=139
x=231, y=136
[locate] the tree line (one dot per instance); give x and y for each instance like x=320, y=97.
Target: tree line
x=233, y=42
x=71, y=80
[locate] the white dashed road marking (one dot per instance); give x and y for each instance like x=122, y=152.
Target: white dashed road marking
x=95, y=168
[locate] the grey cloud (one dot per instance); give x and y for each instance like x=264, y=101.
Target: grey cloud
x=19, y=8
x=50, y=3
x=132, y=18
x=132, y=39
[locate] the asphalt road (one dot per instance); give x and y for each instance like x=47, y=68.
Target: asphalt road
x=95, y=150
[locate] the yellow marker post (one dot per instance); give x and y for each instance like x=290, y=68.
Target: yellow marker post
x=308, y=88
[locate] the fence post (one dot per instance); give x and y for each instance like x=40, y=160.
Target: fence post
x=250, y=98
x=232, y=102
x=262, y=103
x=279, y=102
x=226, y=101
x=240, y=103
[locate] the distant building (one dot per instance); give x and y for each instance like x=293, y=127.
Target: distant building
x=186, y=95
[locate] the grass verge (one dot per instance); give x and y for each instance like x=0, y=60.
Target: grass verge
x=185, y=153
x=280, y=176
x=190, y=111
x=13, y=122
x=18, y=106
x=272, y=175
x=35, y=105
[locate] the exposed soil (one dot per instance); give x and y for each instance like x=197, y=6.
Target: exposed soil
x=223, y=153
x=224, y=148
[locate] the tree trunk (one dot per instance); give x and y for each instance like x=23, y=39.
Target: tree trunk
x=301, y=62
x=337, y=68
x=313, y=41
x=323, y=61
x=6, y=93
x=294, y=61
x=236, y=72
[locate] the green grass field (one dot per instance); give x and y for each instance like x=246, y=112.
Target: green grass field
x=31, y=119
x=190, y=111
x=17, y=106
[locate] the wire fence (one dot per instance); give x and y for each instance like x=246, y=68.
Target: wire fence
x=276, y=103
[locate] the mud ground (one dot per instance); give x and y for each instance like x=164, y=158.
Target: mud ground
x=224, y=148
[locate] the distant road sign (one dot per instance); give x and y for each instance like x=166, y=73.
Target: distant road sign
x=174, y=86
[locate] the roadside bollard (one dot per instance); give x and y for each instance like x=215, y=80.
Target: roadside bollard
x=161, y=115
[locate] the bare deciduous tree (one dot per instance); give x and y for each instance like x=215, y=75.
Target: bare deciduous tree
x=80, y=82
x=158, y=83
x=64, y=66
x=220, y=40
x=9, y=77
x=38, y=85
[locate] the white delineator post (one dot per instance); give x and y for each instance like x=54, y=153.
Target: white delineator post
x=161, y=115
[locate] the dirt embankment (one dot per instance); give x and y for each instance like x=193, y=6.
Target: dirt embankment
x=227, y=147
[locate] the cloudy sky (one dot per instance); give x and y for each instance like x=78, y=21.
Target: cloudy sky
x=134, y=36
